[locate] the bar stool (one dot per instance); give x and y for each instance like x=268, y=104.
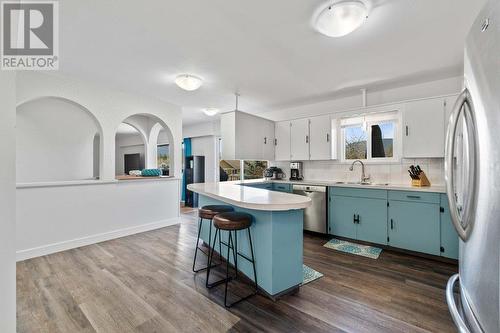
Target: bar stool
x=207, y=213
x=232, y=222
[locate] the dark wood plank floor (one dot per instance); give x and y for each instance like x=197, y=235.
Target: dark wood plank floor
x=144, y=283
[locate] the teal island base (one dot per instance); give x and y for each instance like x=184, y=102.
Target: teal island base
x=278, y=246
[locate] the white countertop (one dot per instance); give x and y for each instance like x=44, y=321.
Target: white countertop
x=399, y=187
x=252, y=198
x=85, y=182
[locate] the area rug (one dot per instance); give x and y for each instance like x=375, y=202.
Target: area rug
x=353, y=248
x=310, y=274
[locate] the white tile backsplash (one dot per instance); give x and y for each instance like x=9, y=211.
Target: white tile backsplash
x=393, y=173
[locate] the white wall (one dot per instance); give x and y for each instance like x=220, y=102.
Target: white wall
x=202, y=129
x=56, y=218
x=382, y=96
x=206, y=146
x=55, y=141
x=7, y=203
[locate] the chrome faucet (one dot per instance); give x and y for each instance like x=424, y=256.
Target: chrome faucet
x=364, y=179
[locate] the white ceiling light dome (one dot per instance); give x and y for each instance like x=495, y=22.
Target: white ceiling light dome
x=210, y=111
x=188, y=82
x=341, y=18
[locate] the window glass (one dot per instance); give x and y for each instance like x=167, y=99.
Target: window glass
x=355, y=139
x=163, y=158
x=254, y=169
x=382, y=136
x=229, y=170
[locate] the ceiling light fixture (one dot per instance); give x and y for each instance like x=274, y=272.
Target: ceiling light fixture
x=211, y=111
x=188, y=82
x=341, y=18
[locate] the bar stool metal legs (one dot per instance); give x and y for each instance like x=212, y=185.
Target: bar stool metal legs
x=200, y=222
x=207, y=213
x=232, y=246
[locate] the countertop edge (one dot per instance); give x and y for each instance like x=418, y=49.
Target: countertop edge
x=254, y=206
x=395, y=187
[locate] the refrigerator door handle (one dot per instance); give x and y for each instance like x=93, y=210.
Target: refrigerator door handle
x=452, y=305
x=463, y=99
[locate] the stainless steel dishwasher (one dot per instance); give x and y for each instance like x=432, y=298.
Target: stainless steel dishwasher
x=315, y=215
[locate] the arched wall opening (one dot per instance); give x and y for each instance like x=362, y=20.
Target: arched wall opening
x=56, y=140
x=130, y=149
x=157, y=139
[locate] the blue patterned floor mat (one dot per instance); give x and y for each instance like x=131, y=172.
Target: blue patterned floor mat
x=310, y=274
x=353, y=248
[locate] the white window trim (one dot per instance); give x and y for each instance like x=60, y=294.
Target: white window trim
x=369, y=120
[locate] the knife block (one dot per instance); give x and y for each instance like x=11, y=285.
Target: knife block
x=423, y=181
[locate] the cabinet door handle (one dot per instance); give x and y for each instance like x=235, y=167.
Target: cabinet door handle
x=354, y=219
x=275, y=142
x=307, y=138
x=406, y=130
x=392, y=224
x=358, y=219
x=327, y=137
x=413, y=196
x=265, y=140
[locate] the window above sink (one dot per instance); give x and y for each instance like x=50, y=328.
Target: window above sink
x=373, y=137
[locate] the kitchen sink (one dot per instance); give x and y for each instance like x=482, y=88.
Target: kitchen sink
x=363, y=184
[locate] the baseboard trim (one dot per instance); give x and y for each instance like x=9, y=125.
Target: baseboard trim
x=88, y=240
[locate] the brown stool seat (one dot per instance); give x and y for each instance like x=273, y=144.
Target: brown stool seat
x=209, y=211
x=232, y=221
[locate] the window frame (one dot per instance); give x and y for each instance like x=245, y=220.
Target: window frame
x=369, y=120
x=162, y=145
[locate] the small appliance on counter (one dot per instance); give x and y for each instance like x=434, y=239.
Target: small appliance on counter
x=274, y=173
x=296, y=171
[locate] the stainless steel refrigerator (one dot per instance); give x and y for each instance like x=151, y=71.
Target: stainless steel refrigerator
x=472, y=166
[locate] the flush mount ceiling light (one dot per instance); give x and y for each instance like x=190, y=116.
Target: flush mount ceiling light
x=188, y=82
x=341, y=18
x=211, y=111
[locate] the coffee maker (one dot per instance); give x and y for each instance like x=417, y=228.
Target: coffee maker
x=296, y=171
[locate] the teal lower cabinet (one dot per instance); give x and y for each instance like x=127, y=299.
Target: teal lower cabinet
x=361, y=218
x=410, y=220
x=414, y=226
x=342, y=216
x=372, y=221
x=280, y=187
x=449, y=236
x=267, y=186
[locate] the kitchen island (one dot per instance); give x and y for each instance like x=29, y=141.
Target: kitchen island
x=276, y=232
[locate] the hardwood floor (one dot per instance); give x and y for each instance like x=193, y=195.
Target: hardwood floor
x=144, y=283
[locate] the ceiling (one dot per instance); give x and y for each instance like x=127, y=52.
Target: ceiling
x=266, y=50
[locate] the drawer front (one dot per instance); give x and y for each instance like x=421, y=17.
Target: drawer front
x=282, y=187
x=415, y=196
x=358, y=192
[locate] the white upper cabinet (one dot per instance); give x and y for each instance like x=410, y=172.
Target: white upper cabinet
x=299, y=139
x=282, y=141
x=320, y=138
x=268, y=141
x=424, y=128
x=246, y=137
